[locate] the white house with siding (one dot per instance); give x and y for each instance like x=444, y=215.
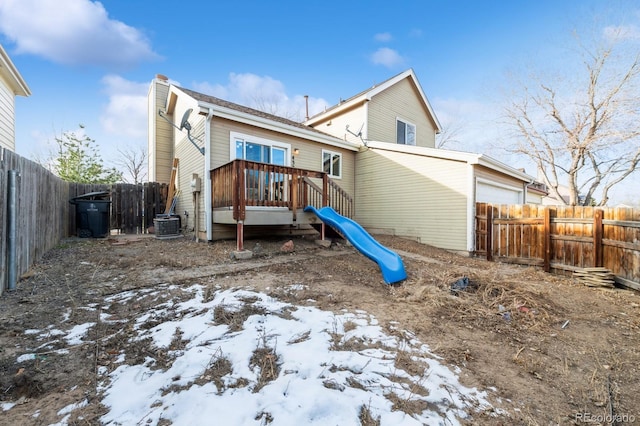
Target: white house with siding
x=11, y=85
x=372, y=157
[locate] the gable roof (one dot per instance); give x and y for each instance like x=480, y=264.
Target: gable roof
x=10, y=73
x=369, y=93
x=243, y=114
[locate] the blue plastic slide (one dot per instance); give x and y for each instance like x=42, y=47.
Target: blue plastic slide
x=389, y=262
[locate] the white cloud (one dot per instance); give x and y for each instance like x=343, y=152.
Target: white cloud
x=415, y=33
x=387, y=57
x=622, y=32
x=72, y=32
x=126, y=111
x=264, y=93
x=383, y=37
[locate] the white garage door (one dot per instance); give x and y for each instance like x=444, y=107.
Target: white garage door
x=487, y=192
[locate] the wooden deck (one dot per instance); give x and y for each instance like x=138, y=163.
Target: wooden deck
x=251, y=193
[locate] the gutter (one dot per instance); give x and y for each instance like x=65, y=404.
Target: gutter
x=13, y=75
x=207, y=175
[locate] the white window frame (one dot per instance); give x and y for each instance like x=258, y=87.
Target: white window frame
x=235, y=136
x=406, y=124
x=331, y=172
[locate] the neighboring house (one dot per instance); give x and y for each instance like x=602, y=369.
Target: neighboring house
x=371, y=157
x=536, y=193
x=11, y=85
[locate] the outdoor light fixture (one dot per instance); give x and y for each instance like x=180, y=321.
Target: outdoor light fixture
x=295, y=153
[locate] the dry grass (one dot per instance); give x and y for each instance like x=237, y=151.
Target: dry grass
x=299, y=338
x=266, y=360
x=234, y=317
x=366, y=418
x=349, y=325
x=409, y=405
x=489, y=296
x=404, y=361
x=219, y=366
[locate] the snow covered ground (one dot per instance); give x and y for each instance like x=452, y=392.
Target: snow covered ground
x=240, y=357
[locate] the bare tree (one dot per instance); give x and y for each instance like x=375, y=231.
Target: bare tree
x=449, y=136
x=134, y=163
x=587, y=137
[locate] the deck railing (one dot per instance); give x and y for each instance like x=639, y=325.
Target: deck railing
x=243, y=183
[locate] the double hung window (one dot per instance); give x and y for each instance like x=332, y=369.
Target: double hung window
x=405, y=132
x=332, y=163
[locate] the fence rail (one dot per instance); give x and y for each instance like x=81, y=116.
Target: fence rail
x=44, y=215
x=562, y=239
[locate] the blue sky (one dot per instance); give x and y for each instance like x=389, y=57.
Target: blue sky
x=91, y=63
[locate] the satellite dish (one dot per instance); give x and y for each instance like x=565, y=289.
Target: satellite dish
x=184, y=124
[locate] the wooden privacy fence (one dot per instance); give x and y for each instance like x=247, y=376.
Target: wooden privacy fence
x=562, y=239
x=132, y=209
x=41, y=210
x=43, y=215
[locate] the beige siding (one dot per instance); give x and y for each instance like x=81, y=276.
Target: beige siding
x=310, y=156
x=401, y=100
x=7, y=116
x=160, y=135
x=413, y=196
x=190, y=161
x=355, y=118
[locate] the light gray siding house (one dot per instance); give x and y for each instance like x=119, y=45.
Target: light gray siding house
x=11, y=85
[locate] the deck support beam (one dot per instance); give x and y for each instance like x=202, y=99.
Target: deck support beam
x=240, y=236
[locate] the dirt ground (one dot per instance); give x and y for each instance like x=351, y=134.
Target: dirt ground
x=549, y=349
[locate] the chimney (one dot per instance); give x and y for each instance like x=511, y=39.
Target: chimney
x=306, y=103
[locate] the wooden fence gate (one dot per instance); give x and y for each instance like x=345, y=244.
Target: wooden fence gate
x=133, y=207
x=562, y=239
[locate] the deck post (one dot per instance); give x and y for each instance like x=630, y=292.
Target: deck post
x=240, y=236
x=294, y=195
x=325, y=190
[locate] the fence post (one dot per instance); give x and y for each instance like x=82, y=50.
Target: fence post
x=489, y=238
x=12, y=241
x=597, y=238
x=547, y=239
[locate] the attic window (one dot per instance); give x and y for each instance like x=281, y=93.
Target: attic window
x=405, y=132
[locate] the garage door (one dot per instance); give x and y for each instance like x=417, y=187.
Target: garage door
x=487, y=192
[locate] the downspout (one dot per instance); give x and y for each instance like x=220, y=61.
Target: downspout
x=207, y=176
x=12, y=206
x=526, y=189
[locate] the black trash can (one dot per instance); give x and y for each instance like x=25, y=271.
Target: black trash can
x=92, y=214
